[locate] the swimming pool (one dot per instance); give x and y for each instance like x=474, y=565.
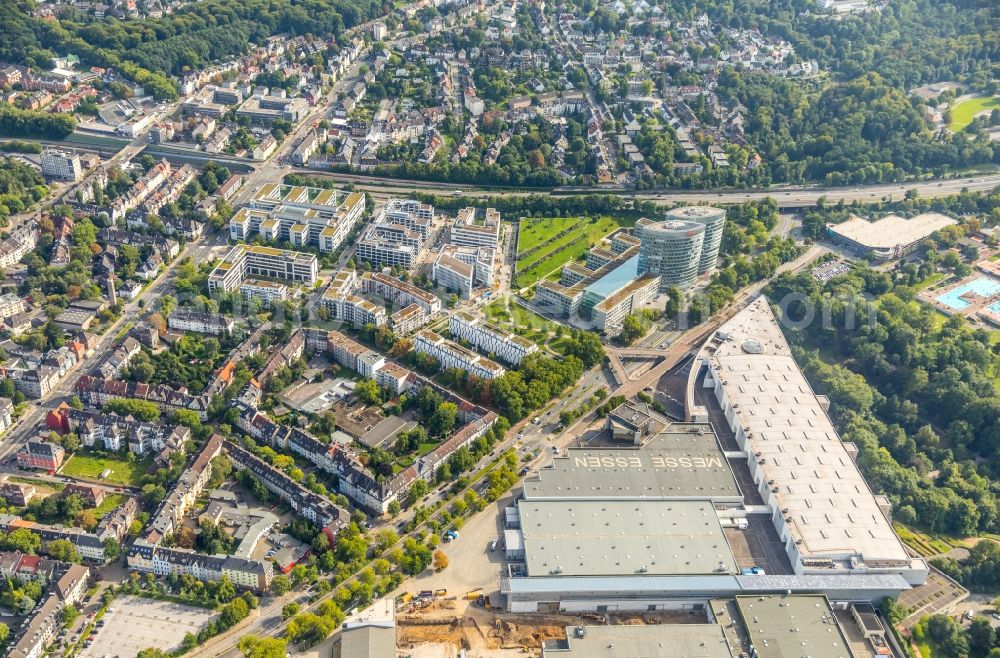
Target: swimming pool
x=983, y=286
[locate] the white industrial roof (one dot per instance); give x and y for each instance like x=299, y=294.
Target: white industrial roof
x=618, y=537
x=891, y=230
x=826, y=502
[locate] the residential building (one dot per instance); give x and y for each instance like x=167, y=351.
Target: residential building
x=6, y=414
x=184, y=319
x=489, y=338
x=10, y=304
x=38, y=453
x=299, y=215
x=267, y=292
x=399, y=292
x=388, y=245
x=473, y=228
x=407, y=320
x=452, y=355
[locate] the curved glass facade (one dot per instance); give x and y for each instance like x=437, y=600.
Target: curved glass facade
x=714, y=220
x=672, y=250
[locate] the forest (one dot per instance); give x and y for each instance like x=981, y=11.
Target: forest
x=21, y=186
x=915, y=392
x=148, y=50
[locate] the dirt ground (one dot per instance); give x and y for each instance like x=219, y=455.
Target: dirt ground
x=436, y=629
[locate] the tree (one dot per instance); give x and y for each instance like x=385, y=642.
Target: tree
x=394, y=508
x=416, y=557
x=226, y=591
x=440, y=560
x=268, y=647
x=368, y=392
x=443, y=420
x=69, y=614
x=289, y=610
x=280, y=585
x=152, y=652
x=111, y=548
x=632, y=329
x=64, y=550
x=4, y=632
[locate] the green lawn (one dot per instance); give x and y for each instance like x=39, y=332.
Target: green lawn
x=963, y=113
x=91, y=466
x=110, y=502
x=514, y=317
x=579, y=242
x=533, y=232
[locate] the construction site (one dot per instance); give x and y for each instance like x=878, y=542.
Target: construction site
x=442, y=627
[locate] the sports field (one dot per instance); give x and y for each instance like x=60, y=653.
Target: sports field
x=963, y=113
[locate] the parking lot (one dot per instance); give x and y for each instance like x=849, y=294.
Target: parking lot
x=133, y=623
x=758, y=545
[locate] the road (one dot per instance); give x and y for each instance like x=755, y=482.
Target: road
x=786, y=197
x=35, y=413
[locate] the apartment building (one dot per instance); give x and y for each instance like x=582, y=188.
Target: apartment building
x=6, y=414
x=348, y=307
x=463, y=269
x=10, y=305
x=399, y=292
x=267, y=292
x=473, y=228
x=183, y=319
x=407, y=320
x=452, y=355
x=299, y=215
x=245, y=261
x=37, y=453
x=491, y=339
x=412, y=214
x=386, y=244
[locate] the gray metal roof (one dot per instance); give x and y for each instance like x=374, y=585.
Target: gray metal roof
x=783, y=626
x=684, y=460
x=655, y=641
x=623, y=537
x=720, y=585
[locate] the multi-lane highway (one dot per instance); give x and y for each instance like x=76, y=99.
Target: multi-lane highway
x=787, y=197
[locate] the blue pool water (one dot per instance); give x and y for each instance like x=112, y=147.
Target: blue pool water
x=983, y=286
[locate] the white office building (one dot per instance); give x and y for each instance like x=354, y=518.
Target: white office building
x=61, y=164
x=670, y=250
x=246, y=261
